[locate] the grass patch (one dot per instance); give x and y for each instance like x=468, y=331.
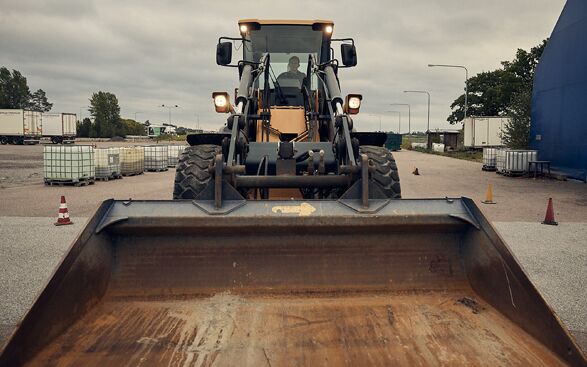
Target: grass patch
x=167, y=137
x=467, y=155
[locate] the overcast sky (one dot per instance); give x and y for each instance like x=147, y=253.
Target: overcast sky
x=151, y=53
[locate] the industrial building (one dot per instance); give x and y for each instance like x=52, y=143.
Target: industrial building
x=559, y=117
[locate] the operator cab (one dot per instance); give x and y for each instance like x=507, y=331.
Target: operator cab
x=284, y=89
x=289, y=47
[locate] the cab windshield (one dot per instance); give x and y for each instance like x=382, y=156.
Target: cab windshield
x=289, y=47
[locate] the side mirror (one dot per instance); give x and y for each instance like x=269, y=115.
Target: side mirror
x=224, y=53
x=349, y=54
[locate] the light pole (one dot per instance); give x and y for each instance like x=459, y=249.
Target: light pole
x=466, y=81
x=399, y=129
x=428, y=128
x=198, y=120
x=169, y=108
x=409, y=115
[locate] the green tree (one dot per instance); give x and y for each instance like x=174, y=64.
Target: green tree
x=84, y=128
x=106, y=112
x=516, y=133
x=132, y=127
x=524, y=65
x=38, y=102
x=489, y=95
x=14, y=91
x=496, y=92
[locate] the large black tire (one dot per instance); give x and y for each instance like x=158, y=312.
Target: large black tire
x=191, y=174
x=385, y=175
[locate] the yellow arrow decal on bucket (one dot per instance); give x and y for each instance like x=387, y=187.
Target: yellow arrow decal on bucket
x=302, y=210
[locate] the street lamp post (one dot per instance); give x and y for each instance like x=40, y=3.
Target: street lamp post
x=409, y=115
x=399, y=129
x=466, y=81
x=427, y=93
x=169, y=108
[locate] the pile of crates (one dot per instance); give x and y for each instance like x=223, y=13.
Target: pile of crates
x=173, y=154
x=512, y=162
x=107, y=163
x=156, y=158
x=509, y=162
x=69, y=165
x=132, y=161
x=489, y=159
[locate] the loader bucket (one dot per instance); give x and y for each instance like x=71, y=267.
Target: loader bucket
x=282, y=283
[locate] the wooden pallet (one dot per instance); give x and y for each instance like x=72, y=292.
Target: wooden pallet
x=513, y=173
x=115, y=176
x=71, y=182
x=132, y=173
x=157, y=169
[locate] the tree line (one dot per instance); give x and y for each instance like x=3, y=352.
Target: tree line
x=506, y=91
x=106, y=121
x=16, y=94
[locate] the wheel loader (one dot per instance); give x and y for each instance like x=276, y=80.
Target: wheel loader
x=287, y=244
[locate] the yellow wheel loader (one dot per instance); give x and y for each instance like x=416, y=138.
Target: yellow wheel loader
x=287, y=244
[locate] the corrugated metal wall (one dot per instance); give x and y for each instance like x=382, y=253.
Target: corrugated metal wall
x=559, y=101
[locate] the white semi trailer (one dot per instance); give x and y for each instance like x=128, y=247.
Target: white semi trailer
x=20, y=126
x=485, y=131
x=60, y=127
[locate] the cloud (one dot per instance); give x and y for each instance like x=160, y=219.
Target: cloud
x=150, y=53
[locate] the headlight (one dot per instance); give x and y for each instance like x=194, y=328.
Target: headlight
x=353, y=103
x=244, y=28
x=221, y=102
x=328, y=29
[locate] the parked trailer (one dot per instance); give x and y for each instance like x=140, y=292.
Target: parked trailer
x=60, y=127
x=20, y=126
x=484, y=131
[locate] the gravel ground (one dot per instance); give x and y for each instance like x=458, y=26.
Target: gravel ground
x=20, y=166
x=555, y=259
x=28, y=259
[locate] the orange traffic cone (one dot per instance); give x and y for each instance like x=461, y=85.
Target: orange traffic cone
x=549, y=218
x=63, y=217
x=489, y=195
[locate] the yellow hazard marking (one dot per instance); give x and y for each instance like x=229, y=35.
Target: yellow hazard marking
x=302, y=210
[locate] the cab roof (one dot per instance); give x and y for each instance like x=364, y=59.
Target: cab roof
x=286, y=22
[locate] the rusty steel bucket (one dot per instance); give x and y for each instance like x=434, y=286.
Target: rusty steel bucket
x=413, y=282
